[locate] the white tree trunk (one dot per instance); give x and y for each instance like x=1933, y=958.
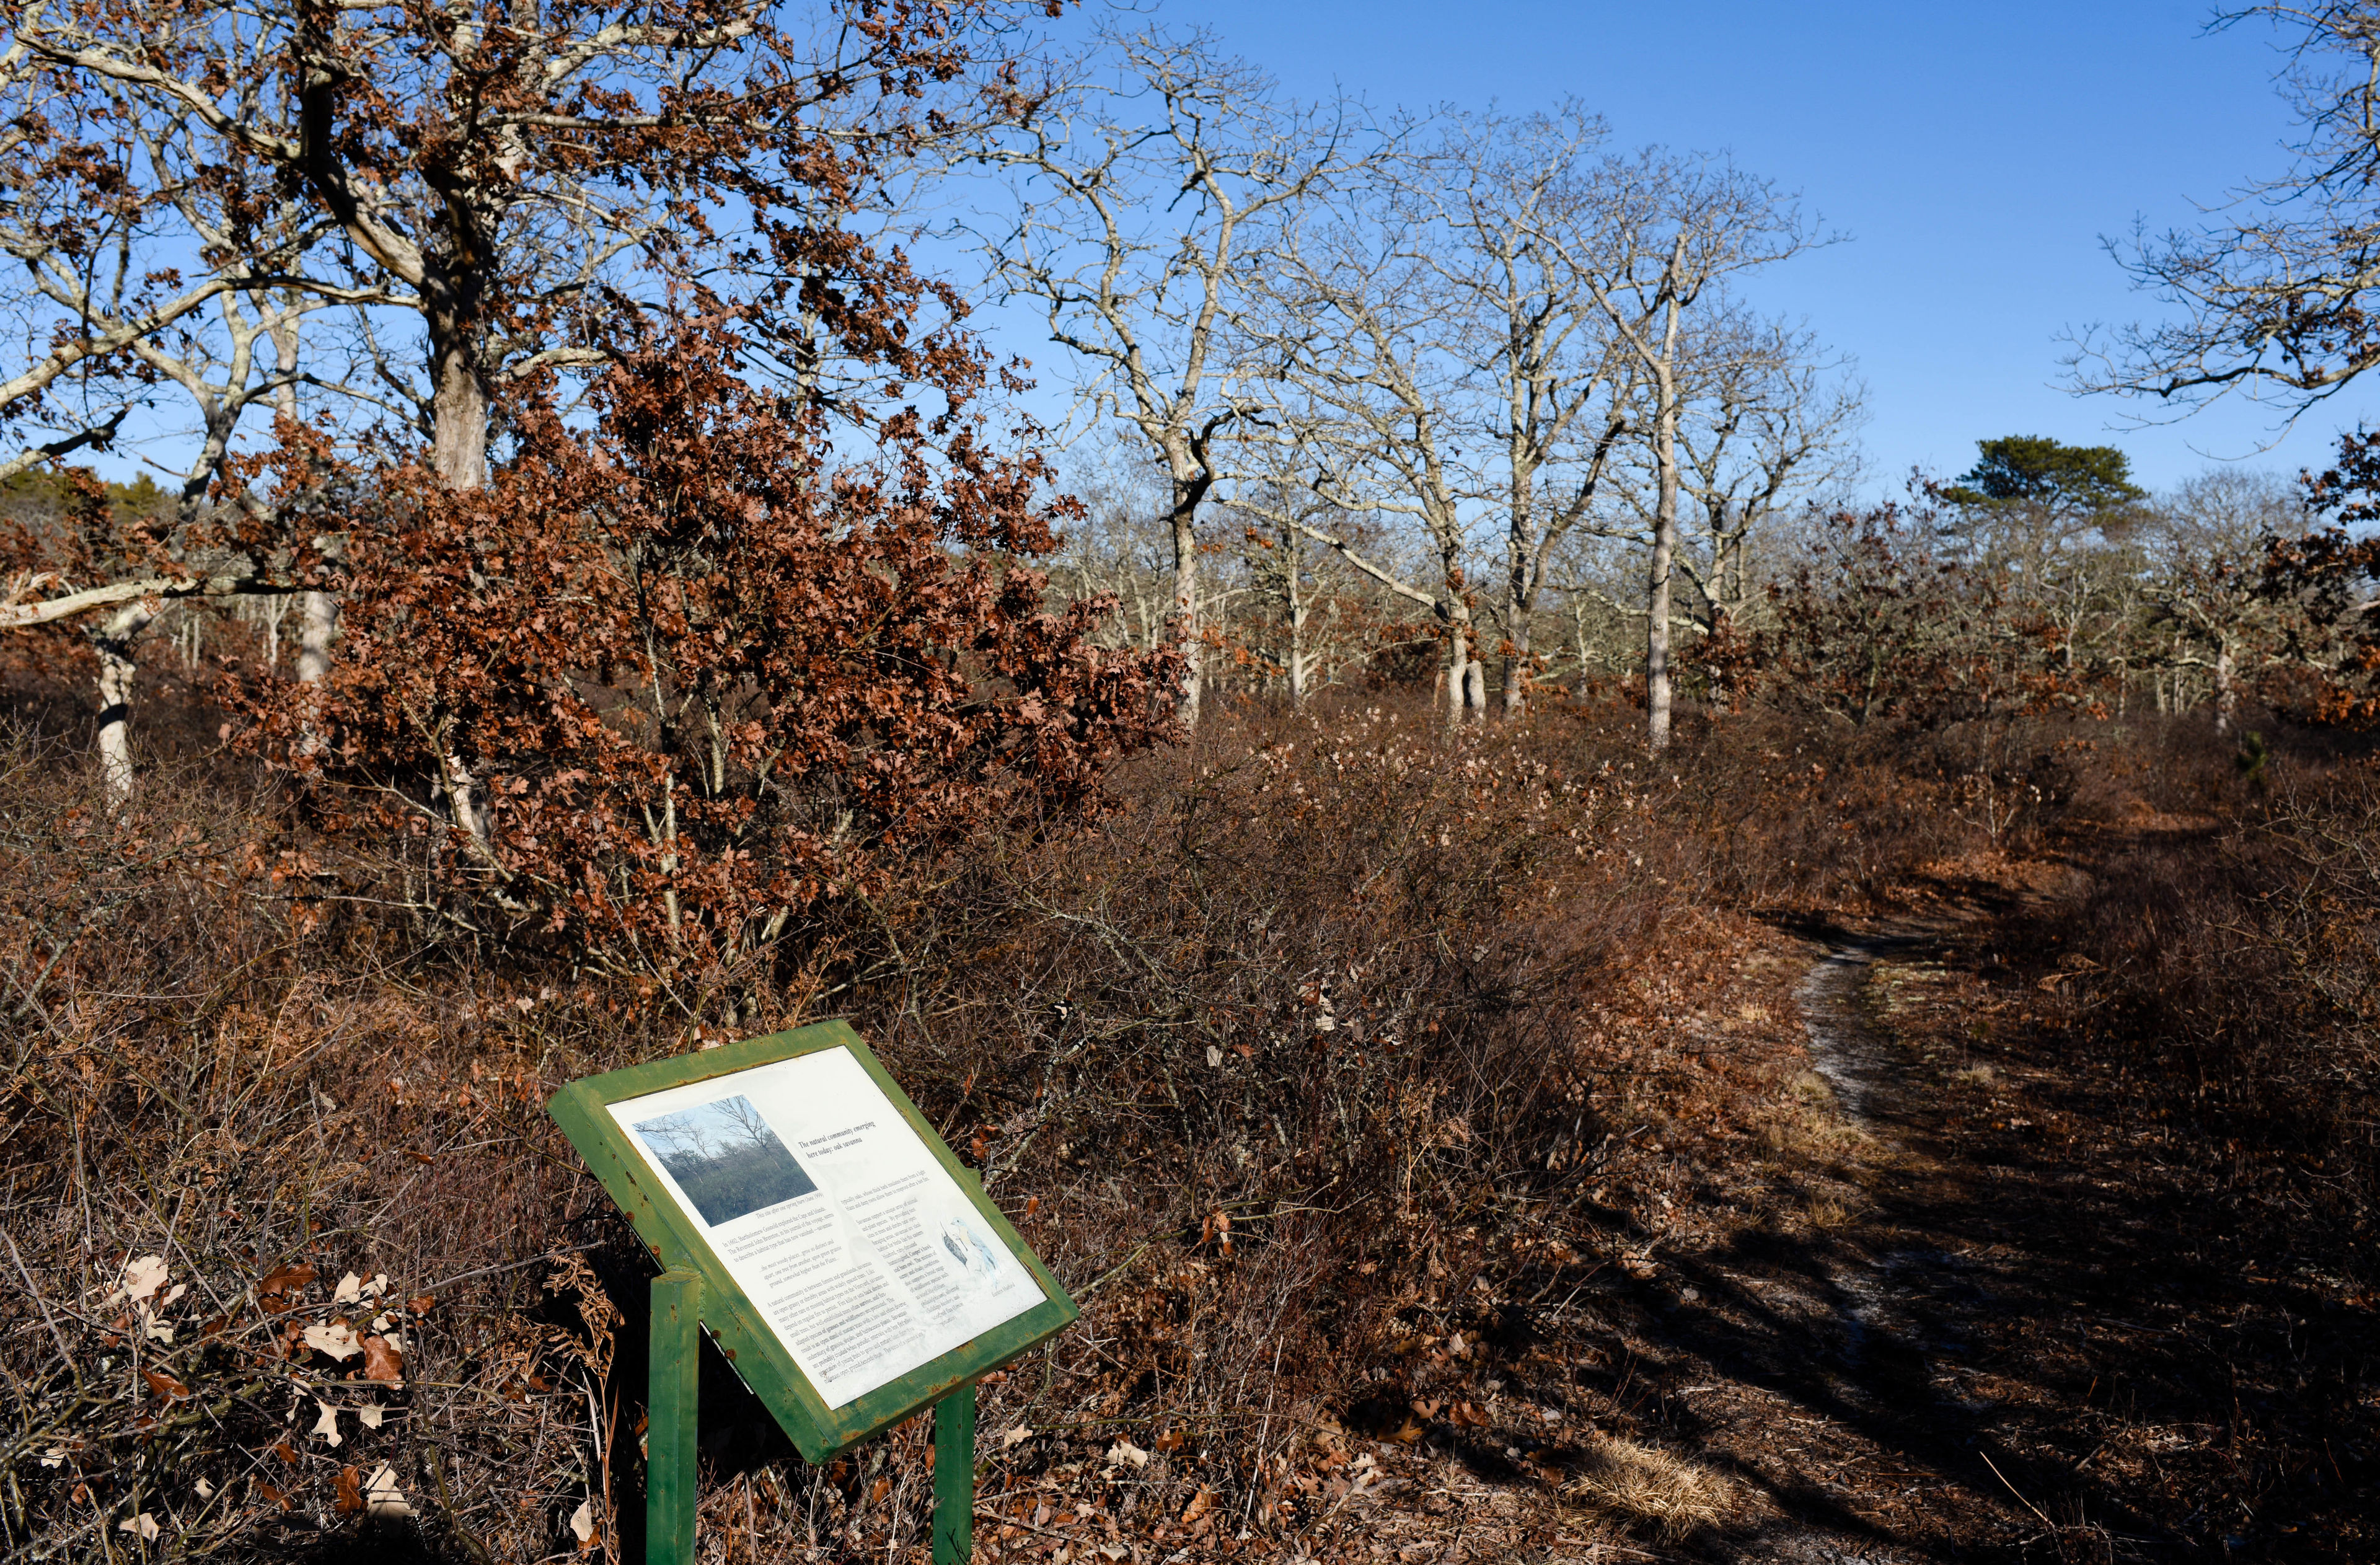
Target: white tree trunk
x=1291, y=550
x=314, y=635
x=1187, y=632
x=318, y=626
x=1657, y=583
x=465, y=806
x=2226, y=694
x=112, y=640
x=1466, y=676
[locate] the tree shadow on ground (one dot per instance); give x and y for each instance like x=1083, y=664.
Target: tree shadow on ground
x=2037, y=1338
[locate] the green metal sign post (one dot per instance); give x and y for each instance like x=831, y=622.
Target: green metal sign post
x=705, y=1241
x=954, y=1477
x=670, y=1413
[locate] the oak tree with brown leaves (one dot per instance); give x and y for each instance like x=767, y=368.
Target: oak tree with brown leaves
x=379, y=220
x=709, y=671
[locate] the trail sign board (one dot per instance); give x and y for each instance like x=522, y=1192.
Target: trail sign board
x=805, y=1214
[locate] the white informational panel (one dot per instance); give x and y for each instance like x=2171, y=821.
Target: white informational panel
x=853, y=1240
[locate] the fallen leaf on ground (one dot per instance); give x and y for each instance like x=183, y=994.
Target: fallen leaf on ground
x=273, y=1289
x=337, y=1339
x=382, y=1497
x=144, y=1524
x=381, y=1361
x=328, y=1425
x=141, y=1278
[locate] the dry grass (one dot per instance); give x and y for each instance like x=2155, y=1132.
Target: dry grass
x=1651, y=1489
x=1825, y=1213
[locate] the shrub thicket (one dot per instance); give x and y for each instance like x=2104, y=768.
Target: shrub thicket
x=1335, y=1037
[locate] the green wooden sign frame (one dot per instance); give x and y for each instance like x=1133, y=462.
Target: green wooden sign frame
x=695, y=1284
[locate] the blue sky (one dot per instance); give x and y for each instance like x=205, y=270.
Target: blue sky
x=1975, y=154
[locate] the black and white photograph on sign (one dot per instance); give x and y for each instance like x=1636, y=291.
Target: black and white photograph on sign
x=726, y=1159
x=888, y=1264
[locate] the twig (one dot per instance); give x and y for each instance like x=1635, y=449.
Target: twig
x=437, y=1465
x=1112, y=1271
x=516, y=1266
x=1591, y=1543
x=33, y=1288
x=2012, y=1489
x=1013, y=1522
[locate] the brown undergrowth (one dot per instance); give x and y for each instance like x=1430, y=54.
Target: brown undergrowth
x=1383, y=1096
x=1297, y=1068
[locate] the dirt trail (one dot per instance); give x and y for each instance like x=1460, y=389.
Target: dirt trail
x=1973, y=1309
x=1856, y=1352
x=1845, y=1047
x=1884, y=1348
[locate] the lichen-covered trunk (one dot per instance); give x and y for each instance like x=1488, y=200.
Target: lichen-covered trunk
x=1519, y=588
x=1190, y=483
x=1466, y=676
x=117, y=674
x=458, y=449
x=1658, y=577
x=458, y=442
x=1187, y=633
x=318, y=625
x=1295, y=591
x=112, y=641
x=1516, y=660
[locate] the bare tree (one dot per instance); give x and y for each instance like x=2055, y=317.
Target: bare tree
x=1121, y=547
x=1364, y=387
x=1766, y=422
x=1304, y=600
x=2206, y=541
x=124, y=245
x=1494, y=213
x=101, y=197
x=1672, y=232
x=2276, y=289
x=1141, y=187
x=1770, y=425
